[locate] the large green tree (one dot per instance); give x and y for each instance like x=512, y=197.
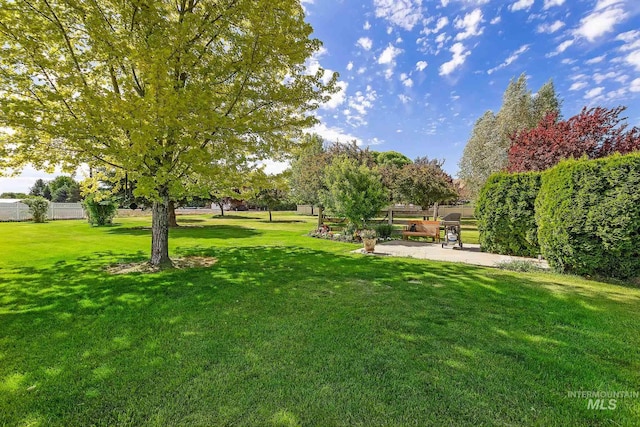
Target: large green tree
x=425, y=183
x=487, y=150
x=161, y=89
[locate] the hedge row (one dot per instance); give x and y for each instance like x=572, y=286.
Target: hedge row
x=582, y=215
x=505, y=213
x=588, y=216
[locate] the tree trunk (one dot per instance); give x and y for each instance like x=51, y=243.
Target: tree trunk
x=160, y=230
x=435, y=211
x=270, y=220
x=221, y=208
x=320, y=212
x=172, y=215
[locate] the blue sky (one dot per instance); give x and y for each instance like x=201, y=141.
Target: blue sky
x=416, y=74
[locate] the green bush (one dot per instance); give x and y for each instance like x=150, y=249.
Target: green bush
x=353, y=191
x=384, y=231
x=505, y=213
x=100, y=211
x=38, y=208
x=588, y=215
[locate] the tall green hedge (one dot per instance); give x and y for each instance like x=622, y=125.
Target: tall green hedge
x=505, y=213
x=588, y=215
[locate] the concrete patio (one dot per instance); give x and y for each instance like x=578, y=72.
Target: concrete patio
x=469, y=254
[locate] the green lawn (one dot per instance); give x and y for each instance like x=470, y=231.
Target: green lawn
x=289, y=330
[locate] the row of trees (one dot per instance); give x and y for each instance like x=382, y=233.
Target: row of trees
x=529, y=134
x=357, y=183
x=62, y=189
x=487, y=150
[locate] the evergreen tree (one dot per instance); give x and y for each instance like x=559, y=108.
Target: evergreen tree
x=38, y=188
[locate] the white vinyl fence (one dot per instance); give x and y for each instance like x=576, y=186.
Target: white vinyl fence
x=20, y=211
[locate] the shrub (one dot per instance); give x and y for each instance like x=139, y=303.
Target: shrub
x=384, y=230
x=368, y=234
x=353, y=191
x=38, y=208
x=100, y=211
x=588, y=215
x=520, y=266
x=505, y=213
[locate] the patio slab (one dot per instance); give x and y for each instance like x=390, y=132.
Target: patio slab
x=469, y=254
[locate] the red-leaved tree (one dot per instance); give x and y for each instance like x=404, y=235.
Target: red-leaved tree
x=595, y=132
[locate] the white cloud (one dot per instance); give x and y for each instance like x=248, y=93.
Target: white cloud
x=334, y=134
x=366, y=25
x=550, y=3
x=404, y=98
x=459, y=56
x=616, y=94
x=337, y=98
x=406, y=80
x=350, y=66
x=515, y=55
x=361, y=70
x=634, y=59
x=365, y=42
x=595, y=60
x=440, y=24
x=421, y=65
x=635, y=85
x=442, y=39
x=361, y=103
x=592, y=93
x=632, y=45
x=496, y=20
x=388, y=73
x=599, y=78
x=550, y=28
x=274, y=167
x=603, y=4
x=578, y=86
x=629, y=36
x=444, y=3
x=389, y=54
x=521, y=5
x=470, y=25
x=564, y=46
x=403, y=13
x=601, y=21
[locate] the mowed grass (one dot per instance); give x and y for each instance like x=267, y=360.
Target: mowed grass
x=287, y=330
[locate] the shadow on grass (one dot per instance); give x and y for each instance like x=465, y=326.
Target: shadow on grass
x=195, y=231
x=319, y=334
x=281, y=221
x=232, y=216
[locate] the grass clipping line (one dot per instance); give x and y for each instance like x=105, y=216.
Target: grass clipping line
x=146, y=267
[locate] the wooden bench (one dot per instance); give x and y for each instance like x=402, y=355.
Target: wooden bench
x=424, y=229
